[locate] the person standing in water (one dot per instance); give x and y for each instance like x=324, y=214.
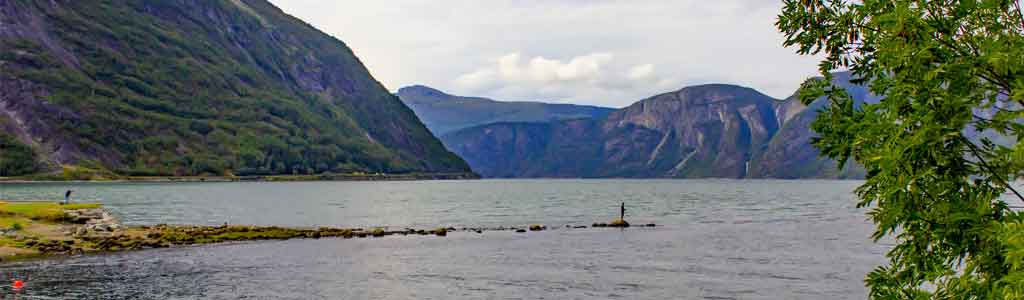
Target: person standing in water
x=622, y=211
x=67, y=197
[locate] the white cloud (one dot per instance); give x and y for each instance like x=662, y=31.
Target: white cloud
x=641, y=71
x=593, y=52
x=511, y=67
x=596, y=75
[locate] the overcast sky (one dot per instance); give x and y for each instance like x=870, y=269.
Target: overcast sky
x=609, y=53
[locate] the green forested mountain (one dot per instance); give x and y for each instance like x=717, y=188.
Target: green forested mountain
x=185, y=87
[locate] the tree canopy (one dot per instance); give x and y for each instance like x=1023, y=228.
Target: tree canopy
x=15, y=158
x=942, y=149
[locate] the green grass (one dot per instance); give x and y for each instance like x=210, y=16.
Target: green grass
x=27, y=216
x=37, y=211
x=8, y=222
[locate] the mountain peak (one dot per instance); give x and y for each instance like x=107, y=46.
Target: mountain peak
x=704, y=90
x=422, y=91
x=716, y=86
x=444, y=113
x=708, y=93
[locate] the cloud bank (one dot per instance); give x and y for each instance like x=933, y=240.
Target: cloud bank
x=599, y=52
x=591, y=76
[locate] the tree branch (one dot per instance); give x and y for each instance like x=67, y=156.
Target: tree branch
x=1016, y=4
x=984, y=164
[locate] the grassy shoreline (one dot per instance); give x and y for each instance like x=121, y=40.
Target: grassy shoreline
x=32, y=230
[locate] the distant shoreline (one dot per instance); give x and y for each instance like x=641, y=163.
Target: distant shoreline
x=255, y=178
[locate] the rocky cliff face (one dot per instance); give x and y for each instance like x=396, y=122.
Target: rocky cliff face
x=444, y=113
x=702, y=131
x=721, y=131
x=789, y=154
x=705, y=131
x=179, y=87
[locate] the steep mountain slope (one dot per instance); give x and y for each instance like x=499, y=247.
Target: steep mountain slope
x=702, y=131
x=444, y=113
x=162, y=87
x=790, y=154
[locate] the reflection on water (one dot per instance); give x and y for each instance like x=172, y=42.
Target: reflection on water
x=721, y=239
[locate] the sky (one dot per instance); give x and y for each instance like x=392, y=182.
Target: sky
x=597, y=52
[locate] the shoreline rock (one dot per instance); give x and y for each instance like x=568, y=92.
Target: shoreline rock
x=620, y=223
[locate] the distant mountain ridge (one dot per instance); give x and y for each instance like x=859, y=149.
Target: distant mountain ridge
x=443, y=113
x=716, y=130
x=190, y=87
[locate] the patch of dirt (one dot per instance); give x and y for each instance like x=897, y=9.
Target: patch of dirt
x=6, y=251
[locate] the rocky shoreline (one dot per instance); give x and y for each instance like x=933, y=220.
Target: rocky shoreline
x=95, y=230
x=94, y=219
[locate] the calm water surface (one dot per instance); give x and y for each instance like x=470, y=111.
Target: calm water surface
x=720, y=239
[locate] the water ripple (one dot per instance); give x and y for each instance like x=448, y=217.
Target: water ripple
x=717, y=239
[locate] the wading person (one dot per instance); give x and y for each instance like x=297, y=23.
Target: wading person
x=622, y=211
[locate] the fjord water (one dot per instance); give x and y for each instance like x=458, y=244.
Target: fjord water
x=716, y=239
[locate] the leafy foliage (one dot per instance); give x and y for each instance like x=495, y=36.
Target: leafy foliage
x=948, y=70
